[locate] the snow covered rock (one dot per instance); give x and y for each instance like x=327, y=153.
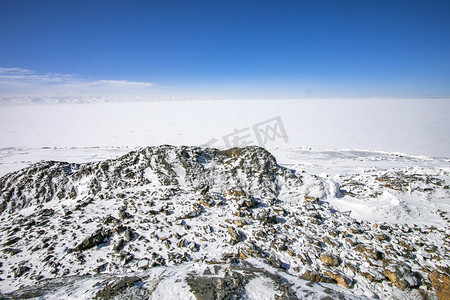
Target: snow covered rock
x=171, y=218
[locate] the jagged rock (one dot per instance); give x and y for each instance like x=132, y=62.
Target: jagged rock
x=441, y=284
x=128, y=235
x=21, y=270
x=266, y=217
x=316, y=277
x=340, y=279
x=310, y=199
x=206, y=288
x=406, y=245
x=355, y=230
x=401, y=276
x=119, y=246
x=207, y=202
x=111, y=220
x=240, y=222
x=47, y=212
x=182, y=243
x=11, y=251
x=111, y=290
x=96, y=239
x=330, y=259
x=183, y=205
x=368, y=252
x=249, y=202
x=124, y=215
x=12, y=241
x=329, y=241
x=381, y=237
x=126, y=257
x=235, y=235
x=373, y=275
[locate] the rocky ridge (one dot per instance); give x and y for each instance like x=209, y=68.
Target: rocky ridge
x=218, y=221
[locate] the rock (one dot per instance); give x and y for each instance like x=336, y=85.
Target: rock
x=236, y=192
x=249, y=202
x=194, y=247
x=197, y=209
x=373, y=275
x=381, y=237
x=330, y=259
x=111, y=220
x=355, y=230
x=12, y=241
x=19, y=271
x=231, y=286
x=47, y=212
x=119, y=246
x=266, y=217
x=143, y=264
x=235, y=236
x=316, y=277
x=310, y=199
x=341, y=279
x=96, y=239
x=240, y=222
x=368, y=252
x=401, y=276
x=330, y=242
x=264, y=204
x=206, y=202
x=111, y=290
x=182, y=243
x=128, y=235
x=406, y=245
x=126, y=257
x=441, y=284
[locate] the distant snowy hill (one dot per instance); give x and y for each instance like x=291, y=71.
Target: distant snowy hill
x=177, y=222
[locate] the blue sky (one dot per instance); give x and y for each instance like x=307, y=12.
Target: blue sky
x=236, y=49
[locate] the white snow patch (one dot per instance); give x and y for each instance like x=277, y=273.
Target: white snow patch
x=260, y=289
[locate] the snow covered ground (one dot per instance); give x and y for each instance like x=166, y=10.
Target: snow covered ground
x=384, y=160
x=416, y=127
x=336, y=138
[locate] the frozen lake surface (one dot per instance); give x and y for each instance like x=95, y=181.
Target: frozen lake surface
x=416, y=127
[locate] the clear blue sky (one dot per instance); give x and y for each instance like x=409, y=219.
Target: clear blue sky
x=236, y=48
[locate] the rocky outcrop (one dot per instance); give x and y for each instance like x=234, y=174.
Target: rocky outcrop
x=162, y=208
x=401, y=276
x=113, y=289
x=441, y=284
x=95, y=239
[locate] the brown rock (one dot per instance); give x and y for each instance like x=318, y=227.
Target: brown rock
x=355, y=230
x=240, y=222
x=249, y=202
x=381, y=237
x=369, y=252
x=235, y=236
x=206, y=202
x=341, y=280
x=330, y=259
x=234, y=192
x=441, y=284
x=243, y=255
x=317, y=277
x=310, y=199
x=329, y=241
x=401, y=276
x=406, y=245
x=373, y=275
